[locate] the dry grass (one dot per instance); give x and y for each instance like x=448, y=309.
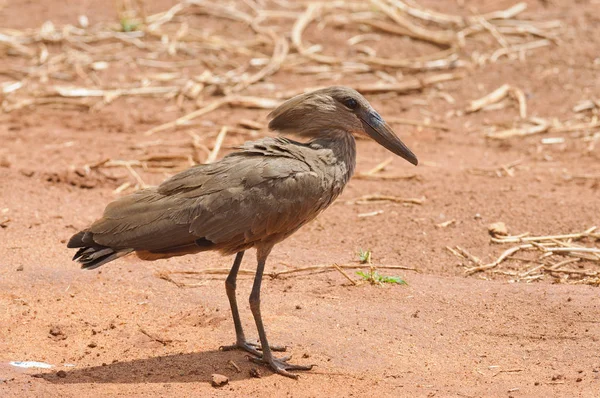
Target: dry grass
x=72, y=64
x=566, y=258
x=169, y=56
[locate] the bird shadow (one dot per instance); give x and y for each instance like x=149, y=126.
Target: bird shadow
x=176, y=368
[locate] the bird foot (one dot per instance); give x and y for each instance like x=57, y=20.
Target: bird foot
x=252, y=348
x=281, y=366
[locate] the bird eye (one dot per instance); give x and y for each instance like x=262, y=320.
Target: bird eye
x=351, y=103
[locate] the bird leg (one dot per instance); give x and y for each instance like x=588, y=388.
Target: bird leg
x=279, y=365
x=240, y=339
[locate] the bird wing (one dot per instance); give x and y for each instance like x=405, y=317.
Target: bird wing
x=268, y=188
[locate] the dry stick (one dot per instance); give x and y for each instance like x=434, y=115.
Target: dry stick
x=574, y=271
x=449, y=62
x=370, y=214
x=182, y=120
x=157, y=339
x=135, y=175
x=385, y=198
x=218, y=142
x=531, y=270
x=379, y=167
x=445, y=223
x=412, y=122
x=280, y=51
x=563, y=263
x=378, y=177
x=406, y=85
x=314, y=9
x=520, y=97
x=457, y=20
x=344, y=266
x=233, y=100
x=517, y=239
x=494, y=264
x=538, y=128
x=437, y=37
x=429, y=15
x=583, y=177
x=86, y=92
x=345, y=274
x=235, y=366
x=468, y=255
x=456, y=253
x=495, y=96
x=494, y=32
x=570, y=244
x=519, y=48
x=571, y=249
x=275, y=274
x=497, y=171
x=576, y=127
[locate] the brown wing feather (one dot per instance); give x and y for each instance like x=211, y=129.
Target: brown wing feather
x=264, y=192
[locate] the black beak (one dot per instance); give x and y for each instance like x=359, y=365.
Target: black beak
x=381, y=132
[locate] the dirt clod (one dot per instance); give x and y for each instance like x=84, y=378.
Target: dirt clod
x=254, y=372
x=218, y=380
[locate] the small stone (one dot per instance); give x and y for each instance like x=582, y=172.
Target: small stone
x=92, y=345
x=498, y=229
x=306, y=355
x=62, y=374
x=218, y=380
x=578, y=379
x=298, y=307
x=255, y=373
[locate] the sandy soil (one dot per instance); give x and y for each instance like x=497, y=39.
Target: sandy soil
x=130, y=333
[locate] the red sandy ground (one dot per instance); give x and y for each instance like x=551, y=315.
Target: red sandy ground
x=443, y=335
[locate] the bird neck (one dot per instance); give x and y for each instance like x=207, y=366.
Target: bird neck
x=343, y=146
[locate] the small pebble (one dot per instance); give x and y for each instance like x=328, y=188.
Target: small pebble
x=255, y=373
x=218, y=380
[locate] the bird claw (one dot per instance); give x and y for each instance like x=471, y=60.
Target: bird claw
x=276, y=348
x=252, y=348
x=280, y=365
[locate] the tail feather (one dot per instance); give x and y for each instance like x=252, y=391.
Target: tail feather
x=90, y=254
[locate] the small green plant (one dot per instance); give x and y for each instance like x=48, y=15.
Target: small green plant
x=364, y=256
x=374, y=278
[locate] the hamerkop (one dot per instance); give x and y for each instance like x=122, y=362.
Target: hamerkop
x=254, y=197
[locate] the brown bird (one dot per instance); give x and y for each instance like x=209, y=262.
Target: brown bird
x=254, y=197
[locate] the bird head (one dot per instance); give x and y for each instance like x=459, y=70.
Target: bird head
x=336, y=108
